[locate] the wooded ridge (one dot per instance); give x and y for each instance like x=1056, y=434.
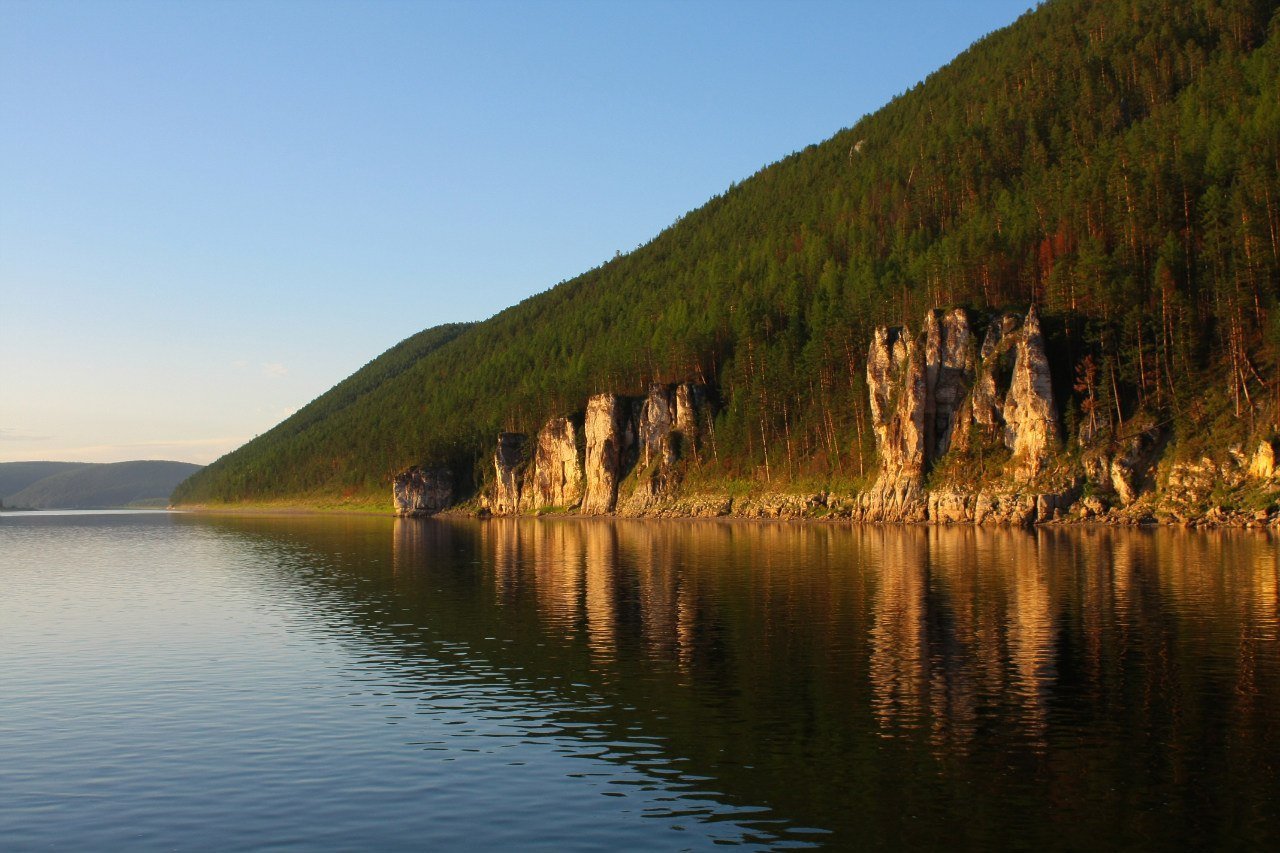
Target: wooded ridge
x=1116, y=164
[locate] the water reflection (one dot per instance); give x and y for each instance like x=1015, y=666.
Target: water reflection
x=1072, y=687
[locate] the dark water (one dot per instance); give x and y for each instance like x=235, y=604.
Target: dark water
x=328, y=683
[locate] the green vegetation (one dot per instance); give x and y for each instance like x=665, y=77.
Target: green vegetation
x=88, y=485
x=1117, y=163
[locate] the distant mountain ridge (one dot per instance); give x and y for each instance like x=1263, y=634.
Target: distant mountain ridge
x=16, y=476
x=90, y=485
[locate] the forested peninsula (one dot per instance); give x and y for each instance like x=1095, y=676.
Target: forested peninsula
x=1042, y=284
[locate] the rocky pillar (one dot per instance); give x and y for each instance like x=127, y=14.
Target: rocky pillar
x=557, y=468
x=653, y=426
x=509, y=467
x=896, y=378
x=690, y=399
x=1030, y=414
x=605, y=431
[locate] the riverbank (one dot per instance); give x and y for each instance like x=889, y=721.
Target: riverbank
x=821, y=508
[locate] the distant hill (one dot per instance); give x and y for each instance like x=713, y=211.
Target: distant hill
x=87, y=485
x=1116, y=163
x=16, y=476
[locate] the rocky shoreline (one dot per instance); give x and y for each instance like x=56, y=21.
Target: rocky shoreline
x=967, y=431
x=823, y=508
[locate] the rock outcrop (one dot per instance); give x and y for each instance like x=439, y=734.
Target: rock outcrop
x=621, y=435
x=510, y=465
x=666, y=423
x=920, y=399
x=897, y=381
x=1029, y=412
x=557, y=468
x=983, y=411
x=1263, y=464
x=421, y=491
x=654, y=423
x=930, y=396
x=978, y=424
x=1129, y=472
x=1001, y=504
x=691, y=399
x=950, y=359
x=607, y=429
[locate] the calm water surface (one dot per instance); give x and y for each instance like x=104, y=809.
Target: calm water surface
x=176, y=681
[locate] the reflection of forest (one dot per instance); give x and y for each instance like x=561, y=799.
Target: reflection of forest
x=1073, y=684
x=952, y=626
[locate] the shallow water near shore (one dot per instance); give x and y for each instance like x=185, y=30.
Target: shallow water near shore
x=312, y=682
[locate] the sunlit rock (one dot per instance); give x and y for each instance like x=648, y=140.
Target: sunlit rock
x=557, y=467
x=1030, y=414
x=897, y=382
x=1263, y=464
x=606, y=430
x=421, y=491
x=509, y=464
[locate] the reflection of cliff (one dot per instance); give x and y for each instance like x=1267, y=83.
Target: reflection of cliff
x=964, y=617
x=811, y=669
x=899, y=653
x=1031, y=626
x=601, y=604
x=416, y=542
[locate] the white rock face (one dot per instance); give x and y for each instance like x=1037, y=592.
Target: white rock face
x=509, y=467
x=666, y=427
x=897, y=382
x=605, y=429
x=653, y=426
x=1030, y=414
x=557, y=467
x=928, y=394
x=1263, y=465
x=690, y=399
x=421, y=491
x=984, y=406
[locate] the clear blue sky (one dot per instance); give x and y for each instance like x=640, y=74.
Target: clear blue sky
x=212, y=212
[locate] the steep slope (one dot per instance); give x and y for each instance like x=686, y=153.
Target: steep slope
x=94, y=485
x=1114, y=162
x=16, y=476
x=290, y=455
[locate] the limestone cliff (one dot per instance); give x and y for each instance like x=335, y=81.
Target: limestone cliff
x=557, y=468
x=950, y=360
x=421, y=491
x=690, y=401
x=898, y=386
x=963, y=434
x=509, y=466
x=662, y=414
x=608, y=438
x=933, y=396
x=1029, y=412
x=1263, y=464
x=982, y=412
x=654, y=423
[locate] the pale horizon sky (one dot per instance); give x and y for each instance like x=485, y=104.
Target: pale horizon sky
x=212, y=212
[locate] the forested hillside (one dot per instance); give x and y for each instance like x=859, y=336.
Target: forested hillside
x=1117, y=163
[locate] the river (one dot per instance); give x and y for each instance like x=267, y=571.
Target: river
x=177, y=681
